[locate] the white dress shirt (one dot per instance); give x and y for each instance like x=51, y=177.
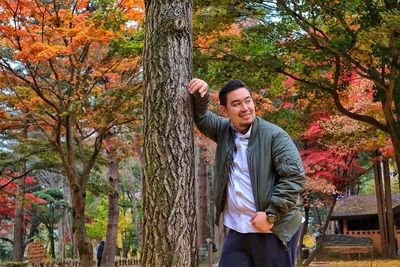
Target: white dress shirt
x=240, y=207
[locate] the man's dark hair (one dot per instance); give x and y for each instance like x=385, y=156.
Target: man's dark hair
x=229, y=87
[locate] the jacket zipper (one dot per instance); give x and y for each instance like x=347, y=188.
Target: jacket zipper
x=249, y=164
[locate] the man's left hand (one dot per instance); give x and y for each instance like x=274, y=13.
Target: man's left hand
x=259, y=221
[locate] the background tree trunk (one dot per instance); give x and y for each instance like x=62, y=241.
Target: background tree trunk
x=211, y=207
x=304, y=231
x=18, y=247
x=323, y=233
x=62, y=242
x=380, y=200
x=201, y=198
x=82, y=241
x=113, y=207
x=391, y=240
x=132, y=192
x=50, y=230
x=169, y=226
x=78, y=180
x=65, y=222
x=74, y=247
x=19, y=223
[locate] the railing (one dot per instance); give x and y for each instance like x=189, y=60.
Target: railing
x=125, y=262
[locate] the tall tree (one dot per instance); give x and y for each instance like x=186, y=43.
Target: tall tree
x=169, y=232
x=56, y=58
x=113, y=207
x=340, y=38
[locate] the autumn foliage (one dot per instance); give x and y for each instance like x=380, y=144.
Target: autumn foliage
x=7, y=203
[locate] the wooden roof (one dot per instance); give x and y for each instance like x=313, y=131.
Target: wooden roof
x=355, y=207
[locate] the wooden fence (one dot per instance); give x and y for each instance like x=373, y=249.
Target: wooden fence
x=70, y=263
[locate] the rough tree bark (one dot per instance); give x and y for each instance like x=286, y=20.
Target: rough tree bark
x=113, y=207
x=169, y=226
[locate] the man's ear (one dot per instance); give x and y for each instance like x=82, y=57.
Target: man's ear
x=224, y=111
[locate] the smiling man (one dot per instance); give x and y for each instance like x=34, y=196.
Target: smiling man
x=258, y=179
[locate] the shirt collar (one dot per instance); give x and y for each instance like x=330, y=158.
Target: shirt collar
x=245, y=135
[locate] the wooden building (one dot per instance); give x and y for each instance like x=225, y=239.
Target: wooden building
x=357, y=216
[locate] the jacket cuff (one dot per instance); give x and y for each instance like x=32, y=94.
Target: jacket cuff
x=269, y=210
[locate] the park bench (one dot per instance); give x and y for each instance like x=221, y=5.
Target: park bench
x=349, y=250
x=347, y=247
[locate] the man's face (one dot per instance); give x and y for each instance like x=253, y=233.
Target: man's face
x=240, y=109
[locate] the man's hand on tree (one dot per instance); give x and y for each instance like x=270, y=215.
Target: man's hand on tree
x=198, y=85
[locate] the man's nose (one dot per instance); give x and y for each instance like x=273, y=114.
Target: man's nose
x=244, y=106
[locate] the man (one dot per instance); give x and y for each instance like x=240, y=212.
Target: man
x=258, y=179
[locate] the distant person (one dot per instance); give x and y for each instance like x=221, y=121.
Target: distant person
x=258, y=176
x=100, y=250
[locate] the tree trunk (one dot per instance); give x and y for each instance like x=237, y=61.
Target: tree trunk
x=380, y=203
x=169, y=230
x=323, y=232
x=51, y=240
x=78, y=226
x=77, y=184
x=18, y=247
x=132, y=192
x=201, y=198
x=74, y=247
x=62, y=242
x=67, y=225
x=303, y=233
x=113, y=207
x=389, y=211
x=211, y=206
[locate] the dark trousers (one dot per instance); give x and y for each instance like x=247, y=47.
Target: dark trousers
x=258, y=250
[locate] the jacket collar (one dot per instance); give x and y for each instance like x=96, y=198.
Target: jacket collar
x=254, y=129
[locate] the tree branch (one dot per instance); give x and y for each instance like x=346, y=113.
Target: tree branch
x=323, y=42
x=336, y=98
x=13, y=179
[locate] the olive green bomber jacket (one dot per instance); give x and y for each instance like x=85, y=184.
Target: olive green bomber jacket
x=275, y=167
